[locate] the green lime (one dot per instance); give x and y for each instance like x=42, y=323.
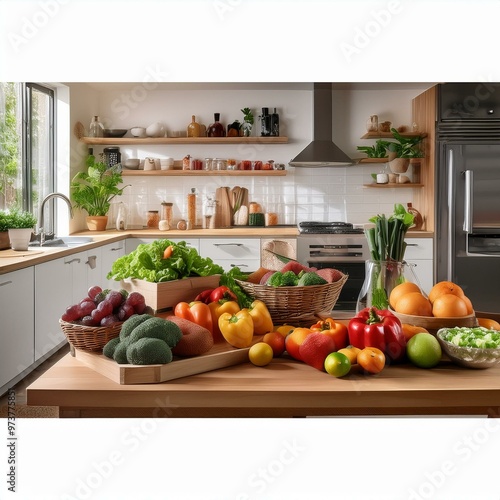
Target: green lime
x=337, y=364
x=423, y=350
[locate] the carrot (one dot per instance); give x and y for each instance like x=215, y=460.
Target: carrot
x=167, y=253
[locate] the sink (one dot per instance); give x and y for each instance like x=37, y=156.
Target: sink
x=64, y=241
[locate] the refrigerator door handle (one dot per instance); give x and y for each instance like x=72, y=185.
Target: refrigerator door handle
x=468, y=200
x=450, y=222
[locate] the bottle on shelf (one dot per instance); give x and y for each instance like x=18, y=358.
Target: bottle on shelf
x=191, y=209
x=216, y=129
x=275, y=124
x=96, y=128
x=193, y=129
x=265, y=123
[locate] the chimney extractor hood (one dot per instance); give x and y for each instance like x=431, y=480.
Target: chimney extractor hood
x=322, y=152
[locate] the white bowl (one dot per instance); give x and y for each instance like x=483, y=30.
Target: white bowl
x=132, y=163
x=138, y=131
x=155, y=130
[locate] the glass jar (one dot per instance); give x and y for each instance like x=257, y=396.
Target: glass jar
x=231, y=164
x=209, y=164
x=219, y=164
x=372, y=124
x=153, y=219
x=380, y=279
x=246, y=165
x=96, y=128
x=216, y=129
x=167, y=213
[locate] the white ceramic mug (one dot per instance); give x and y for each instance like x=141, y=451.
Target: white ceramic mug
x=167, y=163
x=151, y=163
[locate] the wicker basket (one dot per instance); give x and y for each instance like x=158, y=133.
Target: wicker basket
x=296, y=304
x=89, y=338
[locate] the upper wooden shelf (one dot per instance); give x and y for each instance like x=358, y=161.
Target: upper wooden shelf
x=114, y=141
x=178, y=172
x=388, y=135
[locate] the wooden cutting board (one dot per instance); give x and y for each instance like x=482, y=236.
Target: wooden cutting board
x=223, y=210
x=221, y=355
x=8, y=254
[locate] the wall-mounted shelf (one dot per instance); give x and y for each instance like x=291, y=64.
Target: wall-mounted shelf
x=116, y=141
x=372, y=160
x=219, y=173
x=397, y=186
x=388, y=135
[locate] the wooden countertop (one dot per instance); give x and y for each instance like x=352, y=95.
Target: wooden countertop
x=11, y=260
x=285, y=388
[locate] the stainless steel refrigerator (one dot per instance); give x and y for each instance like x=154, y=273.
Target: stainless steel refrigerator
x=468, y=191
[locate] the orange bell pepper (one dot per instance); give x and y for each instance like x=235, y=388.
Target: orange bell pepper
x=197, y=312
x=218, y=308
x=337, y=331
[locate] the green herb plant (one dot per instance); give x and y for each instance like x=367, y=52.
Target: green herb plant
x=387, y=245
x=247, y=115
x=405, y=147
x=378, y=150
x=16, y=219
x=93, y=190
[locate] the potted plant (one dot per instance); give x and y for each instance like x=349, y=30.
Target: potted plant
x=378, y=150
x=93, y=190
x=19, y=225
x=401, y=151
x=247, y=122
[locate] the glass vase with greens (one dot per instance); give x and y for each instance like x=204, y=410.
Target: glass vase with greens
x=386, y=269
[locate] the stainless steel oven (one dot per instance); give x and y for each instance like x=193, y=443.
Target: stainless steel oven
x=336, y=245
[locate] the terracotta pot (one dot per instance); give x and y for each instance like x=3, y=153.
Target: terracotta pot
x=4, y=240
x=97, y=222
x=399, y=165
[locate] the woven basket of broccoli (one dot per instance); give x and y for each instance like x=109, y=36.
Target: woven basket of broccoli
x=298, y=303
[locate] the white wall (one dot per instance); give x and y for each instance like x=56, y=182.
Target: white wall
x=320, y=194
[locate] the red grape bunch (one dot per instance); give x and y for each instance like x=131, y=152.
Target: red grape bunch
x=105, y=307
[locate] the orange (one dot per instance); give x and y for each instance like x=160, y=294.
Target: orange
x=402, y=289
x=411, y=330
x=468, y=303
x=414, y=303
x=445, y=287
x=276, y=341
x=371, y=359
x=449, y=306
x=491, y=324
x=294, y=340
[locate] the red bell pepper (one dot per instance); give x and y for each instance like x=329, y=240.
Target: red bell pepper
x=204, y=296
x=378, y=328
x=221, y=293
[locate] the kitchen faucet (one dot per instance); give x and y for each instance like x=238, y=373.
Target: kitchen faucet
x=41, y=231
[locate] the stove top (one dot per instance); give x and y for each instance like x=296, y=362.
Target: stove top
x=316, y=227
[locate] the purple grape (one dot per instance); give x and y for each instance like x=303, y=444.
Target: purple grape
x=115, y=298
x=134, y=299
x=140, y=308
x=106, y=307
x=86, y=308
x=109, y=320
x=73, y=312
x=97, y=315
x=125, y=311
x=88, y=321
x=93, y=291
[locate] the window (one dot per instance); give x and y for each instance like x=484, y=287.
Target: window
x=26, y=145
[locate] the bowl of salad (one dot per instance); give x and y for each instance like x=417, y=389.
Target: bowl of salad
x=476, y=347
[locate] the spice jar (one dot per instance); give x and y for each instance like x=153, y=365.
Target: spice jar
x=186, y=163
x=246, y=165
x=231, y=164
x=191, y=209
x=153, y=219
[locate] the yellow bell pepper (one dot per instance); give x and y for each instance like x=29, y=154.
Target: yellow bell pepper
x=262, y=321
x=218, y=308
x=237, y=328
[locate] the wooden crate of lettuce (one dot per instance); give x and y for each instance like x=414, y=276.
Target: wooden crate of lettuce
x=166, y=273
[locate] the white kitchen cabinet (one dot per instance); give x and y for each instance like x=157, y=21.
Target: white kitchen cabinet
x=58, y=284
x=132, y=243
x=17, y=320
x=419, y=252
x=231, y=252
x=109, y=253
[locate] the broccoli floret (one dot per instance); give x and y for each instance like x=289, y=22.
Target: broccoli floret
x=110, y=347
x=129, y=324
x=147, y=351
x=156, y=328
x=120, y=353
x=289, y=278
x=308, y=279
x=275, y=279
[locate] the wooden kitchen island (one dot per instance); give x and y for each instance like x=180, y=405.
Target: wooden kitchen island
x=285, y=388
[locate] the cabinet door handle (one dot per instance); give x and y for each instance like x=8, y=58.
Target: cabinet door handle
x=91, y=262
x=71, y=261
x=6, y=283
x=228, y=244
x=412, y=244
x=239, y=265
x=115, y=249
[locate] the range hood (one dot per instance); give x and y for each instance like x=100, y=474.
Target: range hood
x=322, y=152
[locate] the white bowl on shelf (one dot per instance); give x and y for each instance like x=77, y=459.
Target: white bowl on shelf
x=138, y=131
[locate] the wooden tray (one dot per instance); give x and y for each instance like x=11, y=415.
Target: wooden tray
x=221, y=355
